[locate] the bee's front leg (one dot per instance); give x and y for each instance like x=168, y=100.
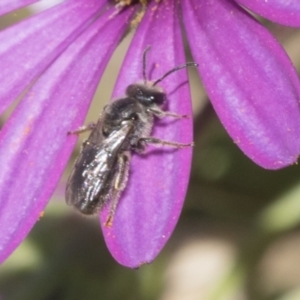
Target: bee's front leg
x=161, y=113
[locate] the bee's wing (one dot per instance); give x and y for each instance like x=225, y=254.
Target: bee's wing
x=92, y=171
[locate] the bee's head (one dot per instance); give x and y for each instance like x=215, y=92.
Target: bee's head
x=146, y=94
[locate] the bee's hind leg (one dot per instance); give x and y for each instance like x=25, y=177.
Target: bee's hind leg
x=119, y=184
x=157, y=141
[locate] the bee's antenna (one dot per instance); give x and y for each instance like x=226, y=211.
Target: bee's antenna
x=145, y=63
x=189, y=64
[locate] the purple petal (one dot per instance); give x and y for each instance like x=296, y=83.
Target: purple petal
x=279, y=11
x=7, y=6
x=34, y=147
x=251, y=82
x=151, y=204
x=27, y=48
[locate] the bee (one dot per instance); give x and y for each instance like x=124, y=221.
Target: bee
x=101, y=171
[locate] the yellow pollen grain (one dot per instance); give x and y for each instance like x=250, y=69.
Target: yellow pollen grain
x=27, y=130
x=120, y=4
x=137, y=19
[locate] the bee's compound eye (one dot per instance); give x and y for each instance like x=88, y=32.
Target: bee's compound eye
x=158, y=98
x=146, y=95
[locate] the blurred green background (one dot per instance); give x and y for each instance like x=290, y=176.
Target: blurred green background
x=238, y=237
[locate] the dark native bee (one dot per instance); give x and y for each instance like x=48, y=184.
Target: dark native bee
x=101, y=171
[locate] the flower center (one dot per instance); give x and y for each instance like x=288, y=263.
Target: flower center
x=123, y=3
x=120, y=4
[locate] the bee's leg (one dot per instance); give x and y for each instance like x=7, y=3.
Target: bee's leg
x=137, y=145
x=156, y=141
x=119, y=184
x=83, y=128
x=161, y=113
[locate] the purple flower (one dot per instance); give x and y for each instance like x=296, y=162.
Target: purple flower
x=64, y=50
